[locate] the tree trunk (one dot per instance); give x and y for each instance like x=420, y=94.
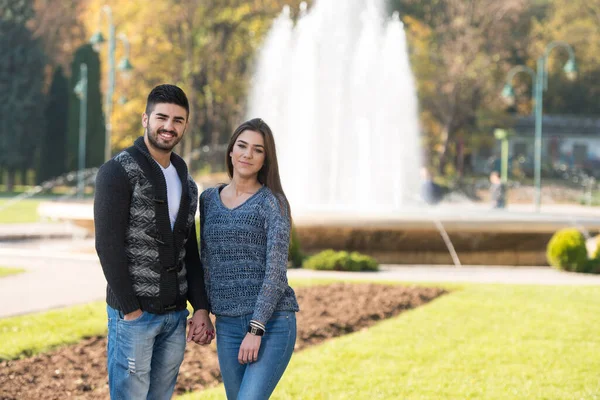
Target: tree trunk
x=24, y=176
x=10, y=180
x=460, y=158
x=444, y=153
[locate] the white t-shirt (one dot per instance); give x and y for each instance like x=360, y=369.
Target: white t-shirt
x=173, y=191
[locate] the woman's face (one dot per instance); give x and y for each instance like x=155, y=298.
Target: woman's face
x=248, y=154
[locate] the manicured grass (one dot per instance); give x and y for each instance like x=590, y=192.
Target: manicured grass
x=20, y=336
x=34, y=333
x=20, y=212
x=482, y=342
x=479, y=342
x=4, y=271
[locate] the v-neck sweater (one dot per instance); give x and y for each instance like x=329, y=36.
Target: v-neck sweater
x=244, y=252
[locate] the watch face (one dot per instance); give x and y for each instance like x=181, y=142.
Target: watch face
x=255, y=331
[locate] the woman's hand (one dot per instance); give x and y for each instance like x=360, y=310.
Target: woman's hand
x=249, y=349
x=201, y=329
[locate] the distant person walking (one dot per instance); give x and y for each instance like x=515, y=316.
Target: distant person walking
x=431, y=192
x=497, y=191
x=245, y=238
x=144, y=215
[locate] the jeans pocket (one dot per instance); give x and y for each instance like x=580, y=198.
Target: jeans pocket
x=281, y=315
x=130, y=321
x=281, y=321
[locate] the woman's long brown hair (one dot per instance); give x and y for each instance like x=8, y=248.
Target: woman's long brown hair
x=269, y=173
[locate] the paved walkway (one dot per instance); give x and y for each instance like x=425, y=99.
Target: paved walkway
x=40, y=230
x=57, y=277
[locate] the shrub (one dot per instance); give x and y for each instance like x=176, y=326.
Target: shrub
x=566, y=251
x=594, y=262
x=331, y=260
x=295, y=255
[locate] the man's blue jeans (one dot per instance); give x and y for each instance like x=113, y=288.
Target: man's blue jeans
x=144, y=354
x=256, y=380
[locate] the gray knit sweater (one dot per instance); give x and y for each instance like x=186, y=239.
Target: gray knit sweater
x=244, y=252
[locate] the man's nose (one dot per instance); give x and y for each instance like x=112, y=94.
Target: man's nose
x=169, y=125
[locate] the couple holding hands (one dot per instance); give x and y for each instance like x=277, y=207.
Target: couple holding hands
x=145, y=206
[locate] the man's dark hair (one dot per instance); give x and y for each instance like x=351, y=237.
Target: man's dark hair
x=167, y=94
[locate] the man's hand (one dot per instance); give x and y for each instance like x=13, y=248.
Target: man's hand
x=201, y=329
x=249, y=349
x=133, y=315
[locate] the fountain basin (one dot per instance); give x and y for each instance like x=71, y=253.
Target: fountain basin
x=479, y=235
x=80, y=213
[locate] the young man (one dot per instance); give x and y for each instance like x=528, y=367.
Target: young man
x=144, y=215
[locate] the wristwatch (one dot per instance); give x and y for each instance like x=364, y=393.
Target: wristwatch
x=256, y=331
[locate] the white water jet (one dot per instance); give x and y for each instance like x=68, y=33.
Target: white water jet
x=337, y=89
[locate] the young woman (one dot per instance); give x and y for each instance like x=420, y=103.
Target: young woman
x=245, y=234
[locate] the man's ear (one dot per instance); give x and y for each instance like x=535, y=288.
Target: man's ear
x=145, y=120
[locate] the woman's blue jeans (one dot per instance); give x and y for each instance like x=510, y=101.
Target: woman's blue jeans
x=144, y=354
x=256, y=380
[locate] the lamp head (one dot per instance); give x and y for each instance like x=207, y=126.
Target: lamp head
x=570, y=69
x=125, y=67
x=96, y=40
x=508, y=94
x=79, y=88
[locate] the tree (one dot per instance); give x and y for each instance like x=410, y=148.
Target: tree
x=53, y=148
x=58, y=26
x=207, y=48
x=22, y=64
x=95, y=132
x=578, y=23
x=463, y=50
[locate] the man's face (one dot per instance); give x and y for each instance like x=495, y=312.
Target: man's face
x=165, y=126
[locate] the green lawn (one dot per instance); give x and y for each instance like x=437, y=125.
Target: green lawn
x=482, y=342
x=4, y=271
x=478, y=342
x=34, y=333
x=21, y=212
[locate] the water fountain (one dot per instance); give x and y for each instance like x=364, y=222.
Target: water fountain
x=337, y=89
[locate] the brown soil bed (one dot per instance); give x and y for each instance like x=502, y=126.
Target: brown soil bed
x=79, y=371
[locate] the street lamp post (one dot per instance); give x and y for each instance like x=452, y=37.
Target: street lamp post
x=540, y=84
x=124, y=65
x=81, y=90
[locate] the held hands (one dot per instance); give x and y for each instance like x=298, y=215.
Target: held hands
x=201, y=330
x=249, y=349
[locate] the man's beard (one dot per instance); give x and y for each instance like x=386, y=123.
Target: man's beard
x=153, y=139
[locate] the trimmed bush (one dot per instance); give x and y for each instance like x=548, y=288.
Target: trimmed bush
x=594, y=263
x=331, y=260
x=566, y=251
x=295, y=255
